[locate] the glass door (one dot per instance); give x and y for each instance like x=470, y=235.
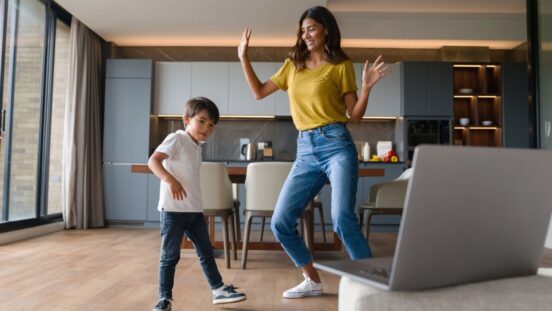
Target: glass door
x=26, y=20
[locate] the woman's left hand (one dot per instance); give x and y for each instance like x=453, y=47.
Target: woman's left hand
x=372, y=74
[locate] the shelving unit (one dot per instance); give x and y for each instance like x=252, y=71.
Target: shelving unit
x=477, y=96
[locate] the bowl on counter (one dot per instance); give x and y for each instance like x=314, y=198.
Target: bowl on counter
x=465, y=91
x=487, y=123
x=464, y=121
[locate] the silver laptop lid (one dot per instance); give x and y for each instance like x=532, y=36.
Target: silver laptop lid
x=472, y=214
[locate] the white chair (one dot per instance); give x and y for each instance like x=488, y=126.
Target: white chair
x=216, y=193
x=385, y=199
x=262, y=186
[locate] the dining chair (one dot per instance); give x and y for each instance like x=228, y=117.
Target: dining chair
x=262, y=186
x=216, y=194
x=385, y=198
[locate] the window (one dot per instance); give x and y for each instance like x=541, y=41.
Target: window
x=34, y=71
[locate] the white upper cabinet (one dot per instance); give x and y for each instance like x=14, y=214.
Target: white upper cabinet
x=241, y=99
x=210, y=79
x=385, y=96
x=282, y=98
x=173, y=87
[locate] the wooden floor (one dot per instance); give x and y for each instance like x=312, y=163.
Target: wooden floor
x=116, y=269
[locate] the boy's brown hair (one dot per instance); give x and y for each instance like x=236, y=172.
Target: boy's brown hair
x=197, y=104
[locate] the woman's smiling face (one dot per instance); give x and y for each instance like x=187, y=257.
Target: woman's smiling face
x=313, y=34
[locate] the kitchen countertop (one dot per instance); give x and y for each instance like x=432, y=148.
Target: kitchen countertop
x=237, y=173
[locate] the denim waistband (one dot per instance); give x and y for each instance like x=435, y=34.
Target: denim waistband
x=323, y=128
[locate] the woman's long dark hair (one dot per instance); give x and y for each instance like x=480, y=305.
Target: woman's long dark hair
x=334, y=54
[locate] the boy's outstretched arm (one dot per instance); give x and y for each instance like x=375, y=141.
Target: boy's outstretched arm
x=156, y=166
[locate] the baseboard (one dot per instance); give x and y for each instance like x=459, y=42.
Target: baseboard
x=18, y=235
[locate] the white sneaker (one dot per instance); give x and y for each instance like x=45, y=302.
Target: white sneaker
x=307, y=288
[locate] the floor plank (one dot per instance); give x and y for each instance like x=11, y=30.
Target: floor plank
x=116, y=269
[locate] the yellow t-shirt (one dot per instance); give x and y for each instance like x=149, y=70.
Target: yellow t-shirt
x=316, y=95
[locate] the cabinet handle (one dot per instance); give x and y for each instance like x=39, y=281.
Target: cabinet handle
x=3, y=120
x=547, y=128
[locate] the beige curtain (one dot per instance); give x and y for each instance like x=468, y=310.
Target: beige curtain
x=82, y=193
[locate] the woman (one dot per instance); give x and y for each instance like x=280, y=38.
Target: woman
x=320, y=81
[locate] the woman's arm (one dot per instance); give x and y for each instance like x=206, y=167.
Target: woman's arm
x=356, y=106
x=260, y=90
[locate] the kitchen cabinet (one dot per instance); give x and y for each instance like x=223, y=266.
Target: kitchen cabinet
x=282, y=99
x=127, y=111
x=173, y=87
x=153, y=184
x=241, y=99
x=427, y=89
x=125, y=197
x=211, y=80
x=385, y=96
x=515, y=103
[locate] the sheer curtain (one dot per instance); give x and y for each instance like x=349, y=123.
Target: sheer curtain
x=82, y=193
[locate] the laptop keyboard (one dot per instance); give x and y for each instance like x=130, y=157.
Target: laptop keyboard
x=377, y=272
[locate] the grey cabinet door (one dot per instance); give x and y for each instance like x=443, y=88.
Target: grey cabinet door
x=126, y=120
x=427, y=89
x=385, y=96
x=153, y=197
x=415, y=89
x=129, y=68
x=173, y=87
x=440, y=85
x=515, y=105
x=125, y=193
x=210, y=79
x=241, y=100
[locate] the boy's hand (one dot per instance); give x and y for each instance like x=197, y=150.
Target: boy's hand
x=178, y=192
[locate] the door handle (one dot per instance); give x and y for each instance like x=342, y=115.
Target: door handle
x=3, y=120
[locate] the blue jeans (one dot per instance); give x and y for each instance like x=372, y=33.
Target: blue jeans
x=173, y=227
x=327, y=152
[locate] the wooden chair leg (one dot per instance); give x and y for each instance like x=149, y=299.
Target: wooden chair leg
x=237, y=219
x=361, y=217
x=262, y=228
x=233, y=234
x=322, y=222
x=368, y=225
x=225, y=241
x=246, y=232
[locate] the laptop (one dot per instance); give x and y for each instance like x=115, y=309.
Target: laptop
x=470, y=214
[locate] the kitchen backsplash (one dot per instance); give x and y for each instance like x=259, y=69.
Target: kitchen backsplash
x=224, y=144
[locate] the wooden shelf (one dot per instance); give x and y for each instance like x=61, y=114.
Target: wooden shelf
x=477, y=97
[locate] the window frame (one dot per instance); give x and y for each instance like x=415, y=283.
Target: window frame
x=54, y=13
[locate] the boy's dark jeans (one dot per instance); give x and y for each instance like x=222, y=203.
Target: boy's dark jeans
x=173, y=226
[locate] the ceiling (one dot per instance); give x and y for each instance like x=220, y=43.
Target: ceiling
x=498, y=24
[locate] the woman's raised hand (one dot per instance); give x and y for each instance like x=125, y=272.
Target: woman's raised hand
x=244, y=43
x=372, y=74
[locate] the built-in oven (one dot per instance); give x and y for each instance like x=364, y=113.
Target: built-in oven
x=426, y=132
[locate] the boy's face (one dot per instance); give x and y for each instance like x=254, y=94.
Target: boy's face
x=200, y=126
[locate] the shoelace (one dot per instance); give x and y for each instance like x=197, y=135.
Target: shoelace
x=230, y=288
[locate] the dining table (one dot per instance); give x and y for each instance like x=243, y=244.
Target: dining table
x=237, y=175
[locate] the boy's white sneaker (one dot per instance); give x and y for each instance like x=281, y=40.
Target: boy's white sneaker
x=307, y=288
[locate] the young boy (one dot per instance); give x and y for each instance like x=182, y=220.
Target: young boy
x=177, y=163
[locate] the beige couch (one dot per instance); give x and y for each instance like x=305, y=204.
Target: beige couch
x=522, y=293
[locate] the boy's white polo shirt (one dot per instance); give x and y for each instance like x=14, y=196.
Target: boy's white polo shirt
x=184, y=163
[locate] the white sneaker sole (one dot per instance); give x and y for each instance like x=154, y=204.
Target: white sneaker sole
x=294, y=295
x=229, y=300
